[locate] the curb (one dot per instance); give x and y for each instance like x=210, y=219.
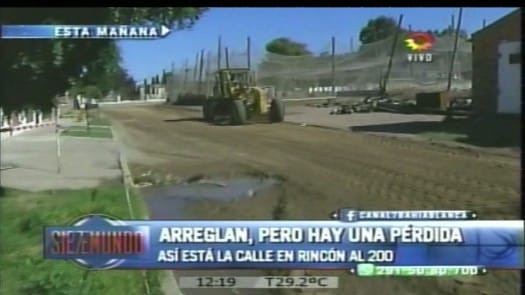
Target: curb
x=169, y=285
x=316, y=126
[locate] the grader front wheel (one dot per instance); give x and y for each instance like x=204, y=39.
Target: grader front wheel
x=277, y=111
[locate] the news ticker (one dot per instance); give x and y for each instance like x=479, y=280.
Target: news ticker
x=84, y=31
x=326, y=282
x=102, y=242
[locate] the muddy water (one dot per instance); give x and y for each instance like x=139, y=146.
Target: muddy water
x=168, y=202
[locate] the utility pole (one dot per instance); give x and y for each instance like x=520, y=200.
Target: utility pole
x=208, y=72
x=201, y=72
x=382, y=88
x=227, y=57
x=410, y=68
x=196, y=67
x=170, y=84
x=333, y=66
x=186, y=72
x=249, y=53
x=454, y=51
x=351, y=45
x=219, y=53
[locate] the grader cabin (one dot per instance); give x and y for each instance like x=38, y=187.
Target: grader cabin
x=496, y=67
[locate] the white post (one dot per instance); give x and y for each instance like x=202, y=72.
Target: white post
x=12, y=119
x=33, y=120
x=40, y=117
x=141, y=93
x=57, y=135
x=21, y=117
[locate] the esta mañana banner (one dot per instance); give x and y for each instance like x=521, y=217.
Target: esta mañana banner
x=84, y=32
x=101, y=242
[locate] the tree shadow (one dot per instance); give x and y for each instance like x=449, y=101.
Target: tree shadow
x=495, y=132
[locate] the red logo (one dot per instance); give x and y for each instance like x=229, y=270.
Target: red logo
x=419, y=41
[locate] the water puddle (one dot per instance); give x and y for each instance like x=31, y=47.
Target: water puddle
x=169, y=201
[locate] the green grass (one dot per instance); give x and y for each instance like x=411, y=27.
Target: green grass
x=93, y=131
x=99, y=121
x=95, y=117
x=68, y=114
x=23, y=217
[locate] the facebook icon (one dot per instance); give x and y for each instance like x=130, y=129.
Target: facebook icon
x=349, y=215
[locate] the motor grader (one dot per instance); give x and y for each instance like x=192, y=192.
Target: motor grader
x=236, y=96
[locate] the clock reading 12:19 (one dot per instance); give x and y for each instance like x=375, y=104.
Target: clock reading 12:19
x=268, y=282
x=216, y=282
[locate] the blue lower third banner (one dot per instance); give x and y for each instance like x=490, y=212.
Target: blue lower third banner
x=84, y=31
x=100, y=242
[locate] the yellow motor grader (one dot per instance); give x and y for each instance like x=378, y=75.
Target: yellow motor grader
x=235, y=96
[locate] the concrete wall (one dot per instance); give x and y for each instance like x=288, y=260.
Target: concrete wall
x=18, y=122
x=485, y=58
x=509, y=78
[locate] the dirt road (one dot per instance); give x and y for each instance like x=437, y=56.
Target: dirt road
x=323, y=170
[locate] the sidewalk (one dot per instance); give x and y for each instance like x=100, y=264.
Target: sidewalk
x=29, y=161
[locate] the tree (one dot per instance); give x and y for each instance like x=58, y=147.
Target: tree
x=92, y=91
x=450, y=31
x=127, y=86
x=105, y=71
x=35, y=71
x=378, y=29
x=86, y=91
x=164, y=77
x=286, y=46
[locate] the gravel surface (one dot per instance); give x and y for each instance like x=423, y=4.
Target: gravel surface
x=323, y=170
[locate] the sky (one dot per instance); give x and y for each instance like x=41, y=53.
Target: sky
x=312, y=26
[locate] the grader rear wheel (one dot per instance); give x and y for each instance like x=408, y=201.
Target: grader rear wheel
x=207, y=110
x=238, y=113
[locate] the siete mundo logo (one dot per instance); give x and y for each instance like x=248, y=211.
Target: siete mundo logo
x=95, y=242
x=418, y=43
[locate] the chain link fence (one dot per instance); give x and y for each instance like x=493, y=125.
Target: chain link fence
x=345, y=72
